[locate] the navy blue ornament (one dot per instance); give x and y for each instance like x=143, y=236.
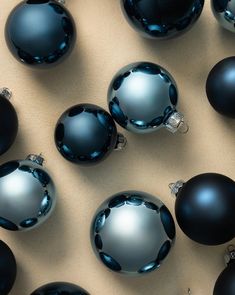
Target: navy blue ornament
x=8, y=269
x=204, y=208
x=162, y=19
x=40, y=33
x=225, y=283
x=132, y=233
x=62, y=288
x=8, y=121
x=86, y=134
x=142, y=98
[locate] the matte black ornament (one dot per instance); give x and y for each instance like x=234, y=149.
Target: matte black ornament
x=86, y=134
x=8, y=121
x=224, y=12
x=225, y=284
x=143, y=97
x=132, y=233
x=204, y=208
x=7, y=269
x=220, y=87
x=60, y=288
x=162, y=19
x=40, y=33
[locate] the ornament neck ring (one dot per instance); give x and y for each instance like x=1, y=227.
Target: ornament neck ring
x=176, y=187
x=229, y=256
x=176, y=122
x=36, y=159
x=5, y=92
x=121, y=142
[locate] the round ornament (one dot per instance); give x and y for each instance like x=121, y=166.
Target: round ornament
x=7, y=269
x=162, y=19
x=220, y=87
x=204, y=208
x=142, y=98
x=40, y=33
x=8, y=121
x=86, y=134
x=132, y=233
x=224, y=12
x=27, y=194
x=62, y=288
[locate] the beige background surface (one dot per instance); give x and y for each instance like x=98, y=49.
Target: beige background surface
x=60, y=249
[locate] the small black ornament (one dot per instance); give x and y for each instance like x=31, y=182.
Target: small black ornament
x=60, y=288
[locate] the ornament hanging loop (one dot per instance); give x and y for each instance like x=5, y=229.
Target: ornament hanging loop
x=176, y=122
x=229, y=256
x=189, y=291
x=175, y=187
x=5, y=92
x=36, y=158
x=121, y=142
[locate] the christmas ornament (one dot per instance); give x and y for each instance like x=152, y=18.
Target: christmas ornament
x=40, y=33
x=142, y=98
x=220, y=87
x=7, y=269
x=86, y=134
x=132, y=233
x=8, y=121
x=60, y=288
x=162, y=19
x=224, y=12
x=204, y=208
x=27, y=194
x=225, y=283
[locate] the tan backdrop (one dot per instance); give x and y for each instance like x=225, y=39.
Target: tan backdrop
x=60, y=249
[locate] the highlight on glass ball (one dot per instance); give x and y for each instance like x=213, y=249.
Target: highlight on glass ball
x=8, y=121
x=132, y=233
x=162, y=19
x=225, y=283
x=60, y=288
x=8, y=269
x=220, y=87
x=86, y=134
x=40, y=33
x=204, y=208
x=224, y=12
x=27, y=194
x=142, y=98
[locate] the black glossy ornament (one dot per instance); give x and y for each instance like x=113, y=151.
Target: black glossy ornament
x=86, y=134
x=7, y=269
x=40, y=33
x=60, y=288
x=220, y=87
x=8, y=121
x=204, y=208
x=163, y=18
x=225, y=284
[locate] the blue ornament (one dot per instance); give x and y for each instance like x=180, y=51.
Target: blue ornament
x=40, y=33
x=224, y=12
x=142, y=98
x=162, y=19
x=132, y=233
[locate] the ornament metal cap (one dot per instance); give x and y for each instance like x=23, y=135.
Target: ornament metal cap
x=36, y=158
x=121, y=142
x=176, y=123
x=5, y=92
x=175, y=187
x=61, y=2
x=229, y=256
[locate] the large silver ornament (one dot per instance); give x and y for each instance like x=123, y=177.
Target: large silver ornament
x=132, y=233
x=27, y=194
x=224, y=12
x=142, y=98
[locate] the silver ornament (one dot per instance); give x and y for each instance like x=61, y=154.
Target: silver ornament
x=132, y=233
x=224, y=12
x=142, y=98
x=27, y=194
